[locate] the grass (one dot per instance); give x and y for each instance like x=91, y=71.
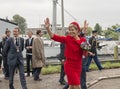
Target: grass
x=51, y=69
x=106, y=65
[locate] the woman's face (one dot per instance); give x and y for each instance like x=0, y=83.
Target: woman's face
x=73, y=31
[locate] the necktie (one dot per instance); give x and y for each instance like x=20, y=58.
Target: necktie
x=17, y=43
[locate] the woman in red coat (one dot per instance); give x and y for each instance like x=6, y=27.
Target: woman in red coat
x=73, y=52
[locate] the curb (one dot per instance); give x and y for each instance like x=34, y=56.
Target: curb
x=100, y=79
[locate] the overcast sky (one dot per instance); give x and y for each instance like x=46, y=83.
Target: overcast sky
x=104, y=12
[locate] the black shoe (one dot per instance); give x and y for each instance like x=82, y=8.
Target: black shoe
x=11, y=87
x=38, y=79
x=66, y=86
x=63, y=82
x=101, y=69
x=87, y=71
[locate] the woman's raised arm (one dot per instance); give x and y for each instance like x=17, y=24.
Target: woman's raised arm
x=47, y=26
x=85, y=27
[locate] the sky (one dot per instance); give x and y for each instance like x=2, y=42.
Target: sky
x=104, y=12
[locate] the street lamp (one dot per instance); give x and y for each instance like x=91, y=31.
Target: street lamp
x=54, y=15
x=62, y=12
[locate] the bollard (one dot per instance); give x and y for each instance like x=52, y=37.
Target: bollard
x=116, y=52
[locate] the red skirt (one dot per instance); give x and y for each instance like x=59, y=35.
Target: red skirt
x=73, y=71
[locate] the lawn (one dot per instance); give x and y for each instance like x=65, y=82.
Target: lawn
x=50, y=69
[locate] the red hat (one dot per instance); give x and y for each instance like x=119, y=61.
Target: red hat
x=76, y=25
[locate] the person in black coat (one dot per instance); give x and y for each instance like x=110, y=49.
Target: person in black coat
x=5, y=62
x=93, y=43
x=62, y=59
x=0, y=54
x=28, y=47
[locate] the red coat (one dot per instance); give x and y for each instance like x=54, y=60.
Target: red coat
x=72, y=46
x=73, y=54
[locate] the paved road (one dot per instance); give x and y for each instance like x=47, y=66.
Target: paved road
x=107, y=84
x=51, y=81
x=104, y=84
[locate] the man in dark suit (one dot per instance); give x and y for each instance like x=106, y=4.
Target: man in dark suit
x=0, y=57
x=0, y=54
x=5, y=64
x=62, y=59
x=13, y=48
x=28, y=46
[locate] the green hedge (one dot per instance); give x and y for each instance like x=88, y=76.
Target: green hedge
x=106, y=65
x=50, y=69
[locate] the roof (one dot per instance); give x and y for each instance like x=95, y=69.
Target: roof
x=8, y=21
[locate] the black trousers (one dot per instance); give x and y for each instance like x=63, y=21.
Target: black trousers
x=83, y=73
x=29, y=63
x=12, y=69
x=37, y=72
x=6, y=67
x=0, y=61
x=62, y=73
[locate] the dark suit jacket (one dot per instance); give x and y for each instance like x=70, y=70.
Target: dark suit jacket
x=27, y=44
x=0, y=54
x=62, y=50
x=3, y=44
x=10, y=51
x=1, y=47
x=93, y=44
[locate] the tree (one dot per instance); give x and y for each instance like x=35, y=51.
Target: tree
x=110, y=33
x=89, y=31
x=114, y=27
x=21, y=22
x=98, y=28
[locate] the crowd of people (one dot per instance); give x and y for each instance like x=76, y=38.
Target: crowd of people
x=75, y=58
x=11, y=54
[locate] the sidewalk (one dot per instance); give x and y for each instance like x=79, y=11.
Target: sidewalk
x=51, y=81
x=105, y=79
